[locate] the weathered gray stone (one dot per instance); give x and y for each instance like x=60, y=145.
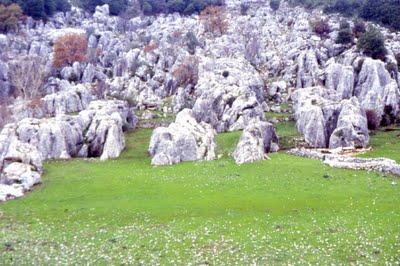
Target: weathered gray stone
x=352, y=127
x=340, y=78
x=184, y=140
x=258, y=138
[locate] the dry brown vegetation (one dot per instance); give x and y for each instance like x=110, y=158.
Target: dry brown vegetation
x=150, y=47
x=214, y=20
x=69, y=49
x=27, y=75
x=187, y=72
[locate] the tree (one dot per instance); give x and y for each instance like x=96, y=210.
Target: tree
x=188, y=72
x=69, y=49
x=9, y=17
x=372, y=43
x=359, y=28
x=27, y=76
x=40, y=9
x=214, y=20
x=321, y=27
x=345, y=34
x=274, y=4
x=176, y=6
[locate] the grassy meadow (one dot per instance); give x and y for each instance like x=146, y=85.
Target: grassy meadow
x=286, y=210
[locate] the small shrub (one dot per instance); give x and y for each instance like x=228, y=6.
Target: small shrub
x=188, y=72
x=373, y=120
x=191, y=42
x=244, y=7
x=345, y=35
x=359, y=28
x=372, y=43
x=321, y=27
x=69, y=49
x=388, y=117
x=9, y=17
x=35, y=103
x=150, y=47
x=214, y=20
x=274, y=4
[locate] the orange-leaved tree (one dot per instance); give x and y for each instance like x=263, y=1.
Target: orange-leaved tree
x=70, y=48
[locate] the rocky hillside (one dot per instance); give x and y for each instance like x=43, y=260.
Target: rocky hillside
x=219, y=71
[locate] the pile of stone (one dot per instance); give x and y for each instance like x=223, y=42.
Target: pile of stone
x=382, y=165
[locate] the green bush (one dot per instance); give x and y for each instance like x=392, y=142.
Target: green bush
x=345, y=7
x=359, y=28
x=40, y=9
x=345, y=34
x=386, y=12
x=372, y=43
x=152, y=7
x=274, y=4
x=176, y=6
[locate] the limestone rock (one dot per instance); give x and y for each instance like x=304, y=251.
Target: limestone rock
x=230, y=94
x=184, y=140
x=8, y=192
x=258, y=138
x=352, y=127
x=376, y=89
x=341, y=79
x=20, y=173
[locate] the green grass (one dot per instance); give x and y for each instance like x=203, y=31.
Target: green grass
x=280, y=211
x=385, y=144
x=287, y=133
x=270, y=115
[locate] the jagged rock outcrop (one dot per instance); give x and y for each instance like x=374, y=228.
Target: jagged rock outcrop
x=258, y=139
x=94, y=132
x=20, y=167
x=75, y=99
x=105, y=122
x=341, y=79
x=184, y=140
x=327, y=121
x=313, y=111
x=375, y=88
x=352, y=126
x=5, y=88
x=308, y=69
x=230, y=94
